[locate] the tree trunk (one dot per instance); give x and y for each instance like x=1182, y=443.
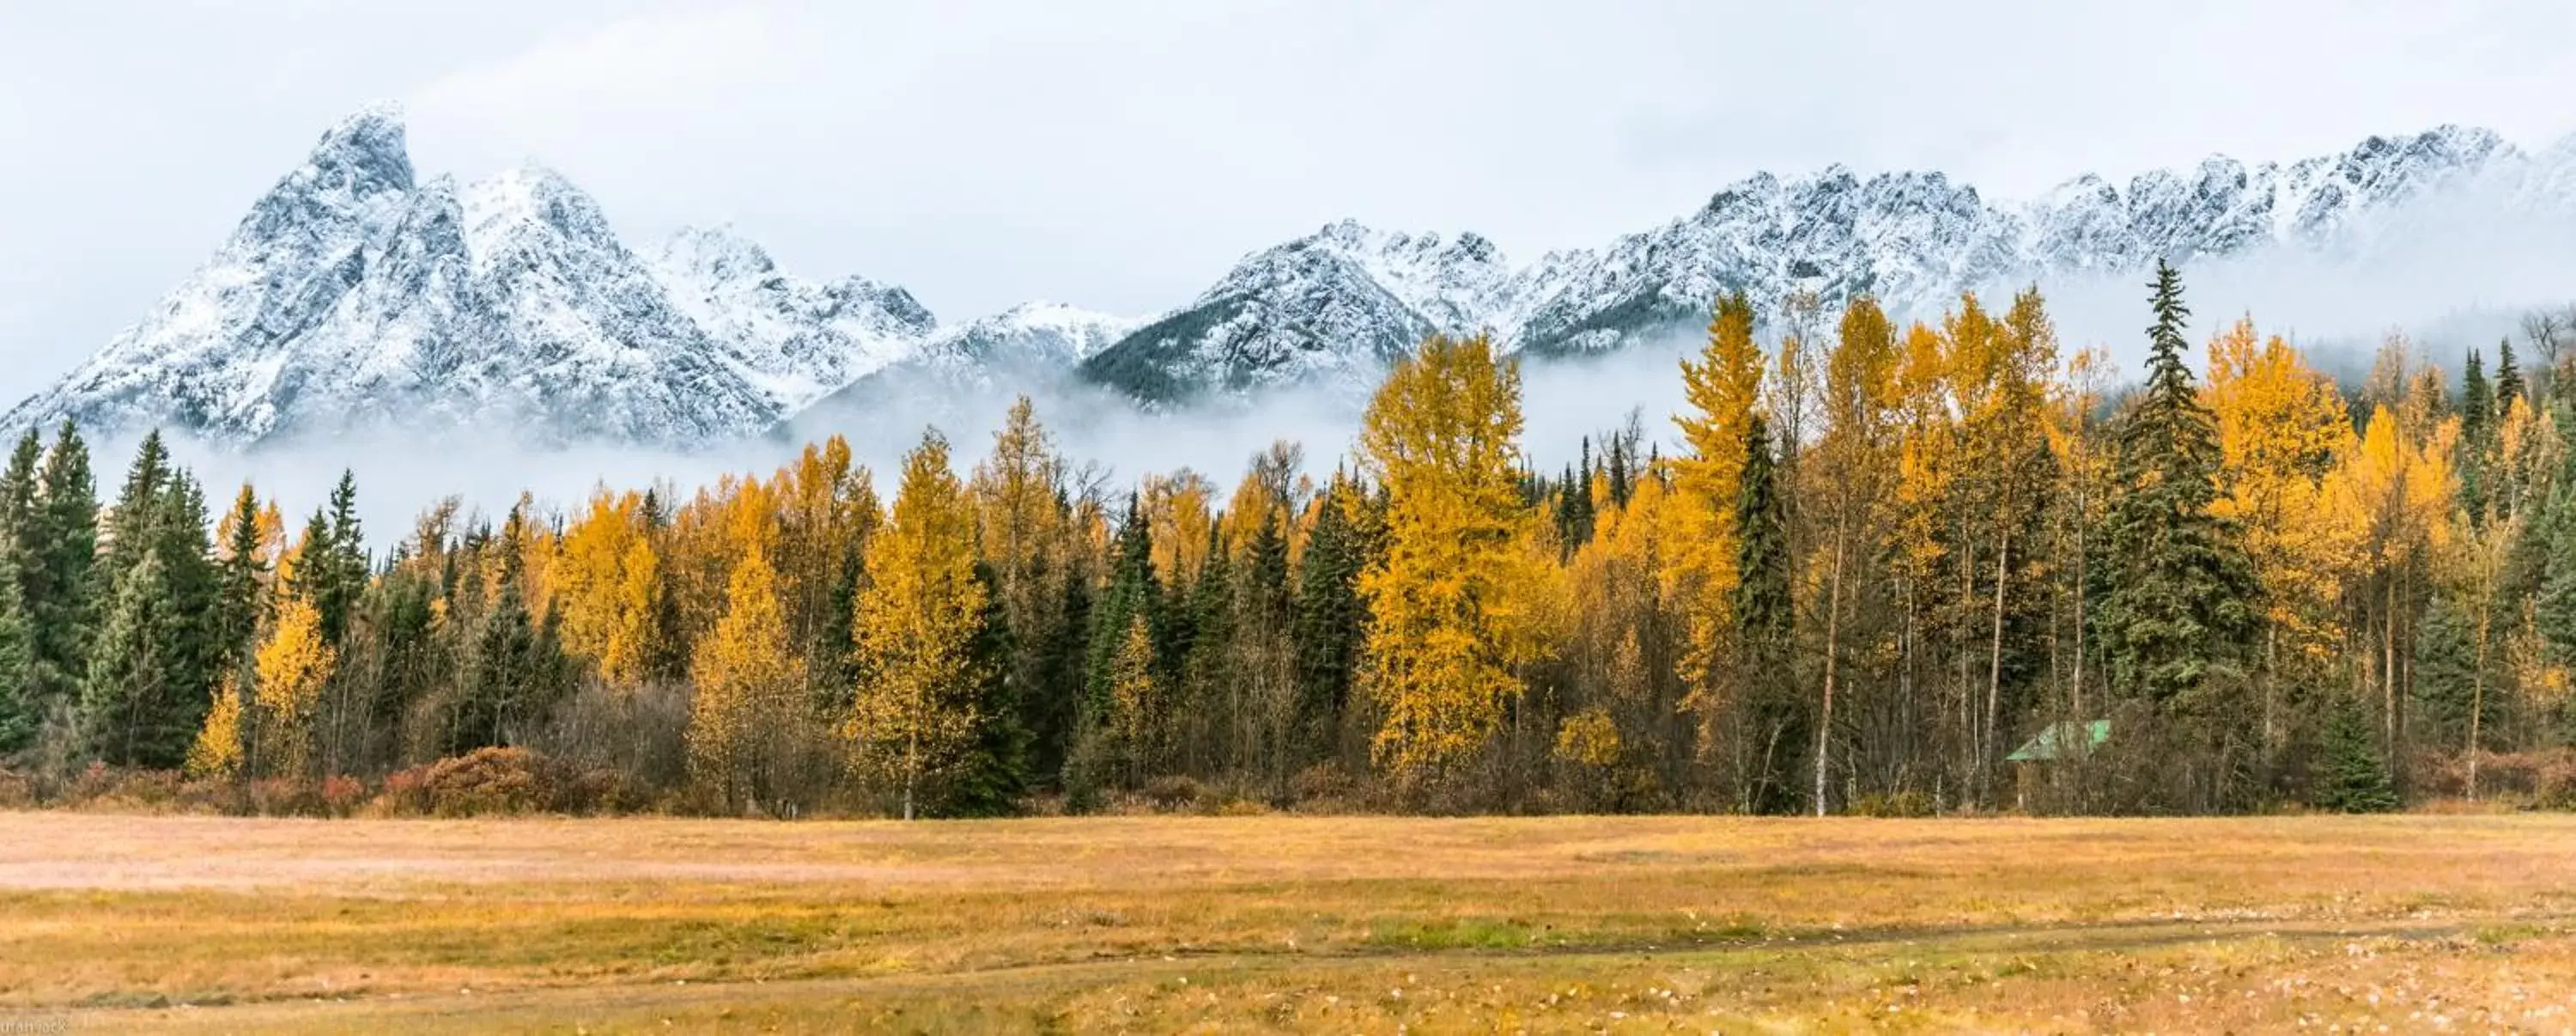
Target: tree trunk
x=1994, y=671
x=1833, y=651
x=2477, y=701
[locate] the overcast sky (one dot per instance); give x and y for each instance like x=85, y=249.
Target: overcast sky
x=1120, y=155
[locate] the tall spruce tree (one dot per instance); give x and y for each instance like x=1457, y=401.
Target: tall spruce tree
x=2554, y=606
x=21, y=493
x=19, y=714
x=21, y=710
x=239, y=579
x=179, y=540
x=341, y=574
x=127, y=714
x=61, y=554
x=1265, y=653
x=1132, y=598
x=1765, y=639
x=1331, y=621
x=2509, y=385
x=2478, y=419
x=994, y=773
x=2178, y=601
x=2446, y=672
x=133, y=521
x=2351, y=777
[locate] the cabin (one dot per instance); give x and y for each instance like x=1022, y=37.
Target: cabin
x=2064, y=740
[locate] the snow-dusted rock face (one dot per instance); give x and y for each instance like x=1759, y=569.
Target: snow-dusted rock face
x=1334, y=306
x=795, y=340
x=353, y=296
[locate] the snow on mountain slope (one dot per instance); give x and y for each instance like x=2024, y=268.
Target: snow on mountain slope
x=1334, y=306
x=794, y=339
x=353, y=296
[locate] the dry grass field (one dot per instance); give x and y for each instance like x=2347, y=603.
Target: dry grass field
x=2426, y=923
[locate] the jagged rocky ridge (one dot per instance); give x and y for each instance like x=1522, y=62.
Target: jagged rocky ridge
x=355, y=295
x=1332, y=307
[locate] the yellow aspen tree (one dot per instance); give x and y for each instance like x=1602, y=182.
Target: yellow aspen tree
x=1856, y=467
x=1619, y=632
x=750, y=692
x=826, y=509
x=917, y=623
x=634, y=638
x=590, y=581
x=2400, y=495
x=2282, y=428
x=2084, y=454
x=1450, y=603
x=1178, y=507
x=288, y=673
x=217, y=753
x=1723, y=386
x=1026, y=535
x=1017, y=500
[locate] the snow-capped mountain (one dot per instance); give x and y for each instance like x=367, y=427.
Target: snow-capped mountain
x=353, y=295
x=795, y=340
x=1334, y=306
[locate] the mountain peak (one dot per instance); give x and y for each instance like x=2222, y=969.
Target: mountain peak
x=365, y=150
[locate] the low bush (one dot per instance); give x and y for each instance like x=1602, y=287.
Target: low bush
x=483, y=782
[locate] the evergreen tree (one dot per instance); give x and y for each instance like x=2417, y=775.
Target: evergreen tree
x=1265, y=654
x=2554, y=608
x=341, y=565
x=240, y=576
x=179, y=540
x=2478, y=417
x=994, y=774
x=2479, y=404
x=2446, y=664
x=2177, y=604
x=2508, y=383
x=1211, y=709
x=517, y=667
x=2351, y=777
x=20, y=711
x=1331, y=620
x=1764, y=635
x=61, y=553
x=1132, y=600
x=129, y=714
x=21, y=495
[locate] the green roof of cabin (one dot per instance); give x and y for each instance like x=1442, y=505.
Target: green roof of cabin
x=2062, y=739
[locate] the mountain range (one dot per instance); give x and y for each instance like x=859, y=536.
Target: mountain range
x=357, y=295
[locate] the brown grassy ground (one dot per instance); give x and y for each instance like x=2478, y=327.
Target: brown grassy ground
x=2456, y=923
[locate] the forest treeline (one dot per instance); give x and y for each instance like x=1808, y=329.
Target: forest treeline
x=1887, y=569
